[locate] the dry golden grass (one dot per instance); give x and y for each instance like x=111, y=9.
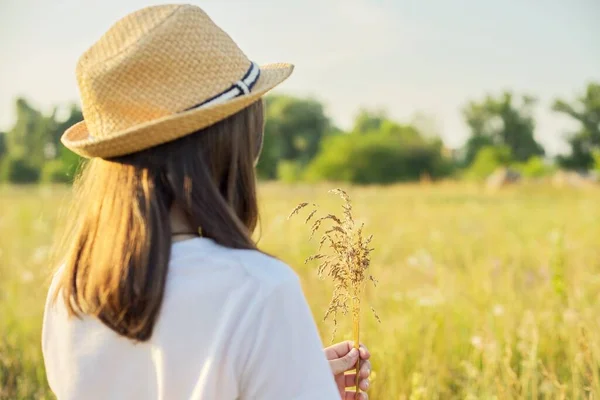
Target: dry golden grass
x=481, y=295
x=346, y=262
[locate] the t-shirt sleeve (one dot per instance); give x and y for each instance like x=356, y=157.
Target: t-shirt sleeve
x=285, y=358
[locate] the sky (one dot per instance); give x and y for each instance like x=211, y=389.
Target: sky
x=407, y=57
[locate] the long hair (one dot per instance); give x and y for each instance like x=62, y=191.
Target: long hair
x=116, y=248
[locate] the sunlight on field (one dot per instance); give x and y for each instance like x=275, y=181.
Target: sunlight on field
x=481, y=295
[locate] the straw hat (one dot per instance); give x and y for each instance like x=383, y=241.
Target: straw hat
x=159, y=74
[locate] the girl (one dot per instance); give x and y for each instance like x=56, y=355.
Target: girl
x=162, y=293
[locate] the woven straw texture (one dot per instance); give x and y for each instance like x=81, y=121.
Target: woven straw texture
x=137, y=81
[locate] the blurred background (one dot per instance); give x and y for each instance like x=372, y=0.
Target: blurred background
x=467, y=134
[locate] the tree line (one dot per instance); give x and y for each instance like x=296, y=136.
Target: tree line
x=303, y=144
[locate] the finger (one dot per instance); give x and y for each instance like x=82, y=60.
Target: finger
x=365, y=372
x=350, y=381
x=338, y=350
x=356, y=396
x=344, y=363
x=365, y=369
x=364, y=384
x=364, y=353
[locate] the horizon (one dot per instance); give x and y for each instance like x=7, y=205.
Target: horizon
x=418, y=59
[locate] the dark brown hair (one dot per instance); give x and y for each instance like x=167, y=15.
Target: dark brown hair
x=117, y=244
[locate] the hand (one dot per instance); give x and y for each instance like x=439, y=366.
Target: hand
x=342, y=357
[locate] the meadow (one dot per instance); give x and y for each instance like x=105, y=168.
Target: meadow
x=481, y=295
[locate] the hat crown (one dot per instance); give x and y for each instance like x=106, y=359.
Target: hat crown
x=155, y=62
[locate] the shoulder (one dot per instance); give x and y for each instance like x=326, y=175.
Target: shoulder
x=261, y=269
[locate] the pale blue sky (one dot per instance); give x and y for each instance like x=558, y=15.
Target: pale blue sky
x=428, y=56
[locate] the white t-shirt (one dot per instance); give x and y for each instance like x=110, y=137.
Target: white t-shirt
x=234, y=324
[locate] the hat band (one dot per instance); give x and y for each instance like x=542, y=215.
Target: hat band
x=243, y=86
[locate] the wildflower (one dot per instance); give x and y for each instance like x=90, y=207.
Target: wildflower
x=477, y=342
x=498, y=310
x=27, y=276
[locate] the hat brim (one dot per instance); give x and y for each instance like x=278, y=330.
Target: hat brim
x=152, y=133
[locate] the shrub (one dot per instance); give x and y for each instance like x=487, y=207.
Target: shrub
x=487, y=160
x=56, y=171
x=596, y=156
x=17, y=170
x=535, y=167
x=289, y=171
x=375, y=158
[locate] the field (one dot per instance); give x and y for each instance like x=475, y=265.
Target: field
x=481, y=295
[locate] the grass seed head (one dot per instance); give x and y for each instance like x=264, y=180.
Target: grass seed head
x=312, y=214
x=297, y=209
x=345, y=259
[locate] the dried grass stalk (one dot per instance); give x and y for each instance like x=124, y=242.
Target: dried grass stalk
x=344, y=255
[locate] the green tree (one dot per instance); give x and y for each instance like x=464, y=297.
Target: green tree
x=56, y=171
x=474, y=144
x=368, y=121
x=69, y=161
x=30, y=137
x=376, y=122
x=396, y=131
x=74, y=116
x=488, y=159
x=596, y=156
x=502, y=121
x=3, y=149
x=585, y=110
x=34, y=141
x=293, y=132
x=17, y=170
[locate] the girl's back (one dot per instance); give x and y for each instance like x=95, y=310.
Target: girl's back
x=225, y=312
